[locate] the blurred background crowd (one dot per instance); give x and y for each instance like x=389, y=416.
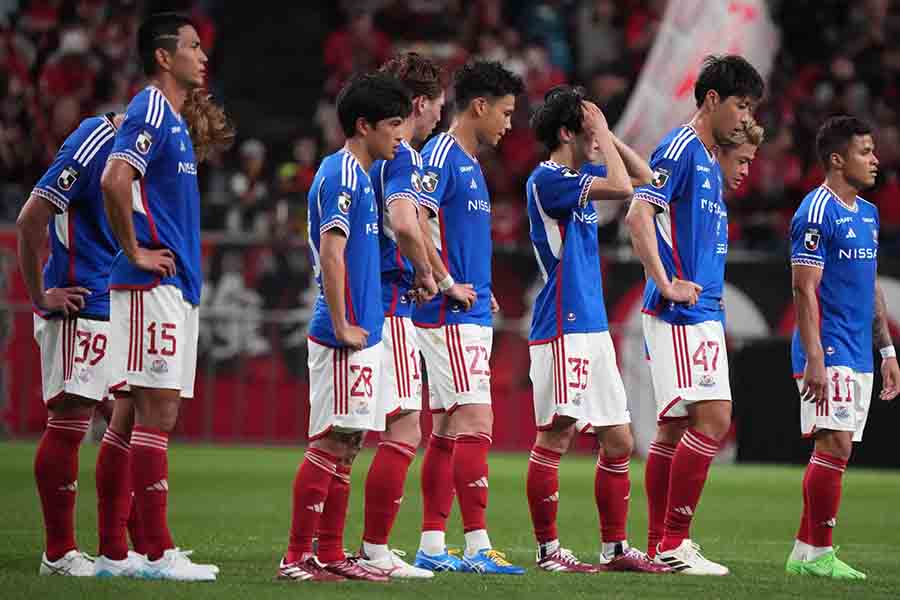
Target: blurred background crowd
x=62, y=60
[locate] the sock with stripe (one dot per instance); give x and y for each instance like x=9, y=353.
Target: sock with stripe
x=437, y=492
x=612, y=488
x=384, y=491
x=542, y=488
x=113, y=494
x=150, y=474
x=656, y=482
x=470, y=477
x=56, y=474
x=334, y=517
x=311, y=485
x=690, y=466
x=823, y=489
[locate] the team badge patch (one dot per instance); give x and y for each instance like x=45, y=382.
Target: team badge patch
x=430, y=181
x=67, y=179
x=660, y=177
x=416, y=181
x=143, y=142
x=811, y=240
x=344, y=202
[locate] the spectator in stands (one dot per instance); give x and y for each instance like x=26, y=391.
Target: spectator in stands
x=248, y=212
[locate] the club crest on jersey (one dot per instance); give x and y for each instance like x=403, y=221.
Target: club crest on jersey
x=143, y=142
x=660, y=177
x=811, y=240
x=430, y=181
x=67, y=179
x=344, y=202
x=416, y=180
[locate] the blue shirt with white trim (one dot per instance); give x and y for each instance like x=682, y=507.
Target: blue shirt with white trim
x=842, y=241
x=399, y=178
x=691, y=226
x=165, y=198
x=341, y=197
x=454, y=189
x=82, y=245
x=563, y=227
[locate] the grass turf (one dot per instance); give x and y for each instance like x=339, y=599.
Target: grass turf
x=232, y=506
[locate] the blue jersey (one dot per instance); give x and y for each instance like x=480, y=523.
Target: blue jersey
x=165, y=199
x=341, y=197
x=563, y=225
x=691, y=225
x=454, y=189
x=393, y=180
x=82, y=245
x=843, y=242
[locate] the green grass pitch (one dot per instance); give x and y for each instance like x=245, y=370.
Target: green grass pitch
x=231, y=505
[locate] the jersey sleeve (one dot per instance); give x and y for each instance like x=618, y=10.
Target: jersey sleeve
x=141, y=134
x=65, y=179
x=336, y=199
x=402, y=179
x=435, y=181
x=810, y=236
x=562, y=190
x=669, y=176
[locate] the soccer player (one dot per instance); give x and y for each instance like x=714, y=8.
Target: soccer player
x=679, y=230
x=345, y=334
x=736, y=155
x=405, y=274
x=455, y=337
x=841, y=312
x=153, y=205
x=573, y=361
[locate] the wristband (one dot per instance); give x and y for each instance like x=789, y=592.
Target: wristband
x=446, y=283
x=888, y=352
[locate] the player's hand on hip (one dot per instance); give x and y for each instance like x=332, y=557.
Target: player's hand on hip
x=463, y=293
x=161, y=262
x=353, y=336
x=682, y=291
x=815, y=381
x=495, y=306
x=890, y=378
x=67, y=300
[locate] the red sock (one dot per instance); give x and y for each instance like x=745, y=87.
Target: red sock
x=311, y=484
x=656, y=481
x=384, y=489
x=113, y=494
x=150, y=474
x=136, y=528
x=823, y=490
x=437, y=482
x=56, y=474
x=470, y=478
x=690, y=467
x=803, y=532
x=542, y=486
x=612, y=487
x=331, y=526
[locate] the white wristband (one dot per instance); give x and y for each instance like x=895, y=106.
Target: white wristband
x=888, y=352
x=446, y=283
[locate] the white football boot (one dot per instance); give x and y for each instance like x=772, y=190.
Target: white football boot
x=393, y=565
x=174, y=564
x=74, y=563
x=686, y=558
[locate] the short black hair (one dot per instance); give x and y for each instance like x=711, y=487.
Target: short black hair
x=159, y=31
x=729, y=75
x=835, y=135
x=484, y=79
x=561, y=108
x=374, y=97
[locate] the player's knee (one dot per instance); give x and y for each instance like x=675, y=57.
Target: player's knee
x=617, y=442
x=557, y=440
x=838, y=444
x=404, y=429
x=670, y=433
x=72, y=407
x=473, y=418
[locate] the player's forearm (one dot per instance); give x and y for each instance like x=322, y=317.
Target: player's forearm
x=438, y=270
x=637, y=168
x=405, y=222
x=881, y=333
x=643, y=240
x=616, y=174
x=808, y=321
x=116, y=185
x=31, y=237
x=333, y=277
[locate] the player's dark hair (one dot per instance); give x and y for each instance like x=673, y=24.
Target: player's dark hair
x=835, y=135
x=374, y=97
x=484, y=79
x=420, y=75
x=729, y=75
x=159, y=31
x=561, y=108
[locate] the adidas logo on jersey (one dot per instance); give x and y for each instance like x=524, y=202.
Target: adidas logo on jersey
x=318, y=507
x=473, y=185
x=160, y=486
x=481, y=482
x=554, y=497
x=684, y=510
x=832, y=523
x=850, y=234
x=398, y=500
x=706, y=185
x=69, y=487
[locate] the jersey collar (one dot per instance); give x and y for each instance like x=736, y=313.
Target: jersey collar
x=853, y=209
x=711, y=156
x=169, y=104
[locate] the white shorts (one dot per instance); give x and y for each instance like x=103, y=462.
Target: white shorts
x=576, y=376
x=688, y=363
x=74, y=357
x=154, y=339
x=847, y=405
x=457, y=359
x=343, y=389
x=401, y=380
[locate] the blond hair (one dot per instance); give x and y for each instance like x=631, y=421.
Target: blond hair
x=753, y=133
x=210, y=127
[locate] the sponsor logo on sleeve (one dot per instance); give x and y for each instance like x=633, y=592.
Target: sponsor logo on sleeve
x=67, y=178
x=811, y=239
x=143, y=142
x=660, y=177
